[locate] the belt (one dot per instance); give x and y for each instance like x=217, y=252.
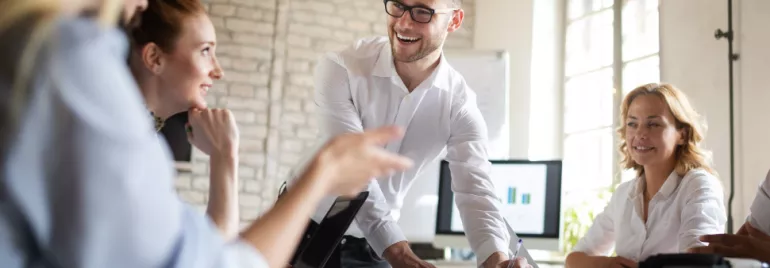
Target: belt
x=352, y=240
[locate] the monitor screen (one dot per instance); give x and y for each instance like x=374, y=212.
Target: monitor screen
x=529, y=194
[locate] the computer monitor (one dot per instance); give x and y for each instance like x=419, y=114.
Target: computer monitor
x=530, y=199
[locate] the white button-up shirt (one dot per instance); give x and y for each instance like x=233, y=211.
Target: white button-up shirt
x=358, y=88
x=682, y=210
x=760, y=208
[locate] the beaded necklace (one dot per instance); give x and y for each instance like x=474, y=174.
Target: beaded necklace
x=159, y=122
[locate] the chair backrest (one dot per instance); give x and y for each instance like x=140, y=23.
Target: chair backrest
x=323, y=239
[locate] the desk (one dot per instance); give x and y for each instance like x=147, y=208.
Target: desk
x=543, y=259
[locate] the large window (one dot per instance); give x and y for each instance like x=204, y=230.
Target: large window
x=611, y=48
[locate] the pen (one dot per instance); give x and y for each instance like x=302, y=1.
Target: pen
x=513, y=258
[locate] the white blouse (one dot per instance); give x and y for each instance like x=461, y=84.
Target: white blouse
x=681, y=211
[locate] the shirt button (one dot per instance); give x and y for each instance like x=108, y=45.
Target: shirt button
x=343, y=241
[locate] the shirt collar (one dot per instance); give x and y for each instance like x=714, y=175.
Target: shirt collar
x=668, y=188
x=384, y=67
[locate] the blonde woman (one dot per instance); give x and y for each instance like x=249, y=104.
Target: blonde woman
x=676, y=196
x=84, y=182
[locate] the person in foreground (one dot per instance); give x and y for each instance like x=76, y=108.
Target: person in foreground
x=174, y=62
x=404, y=78
x=85, y=182
x=753, y=238
x=675, y=197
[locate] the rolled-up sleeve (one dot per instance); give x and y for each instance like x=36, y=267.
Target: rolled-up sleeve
x=474, y=191
x=703, y=212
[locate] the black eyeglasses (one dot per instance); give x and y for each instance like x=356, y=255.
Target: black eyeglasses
x=418, y=13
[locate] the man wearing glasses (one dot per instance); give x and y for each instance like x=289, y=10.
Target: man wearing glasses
x=404, y=80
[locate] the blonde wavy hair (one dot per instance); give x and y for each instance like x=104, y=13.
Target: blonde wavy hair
x=689, y=155
x=42, y=15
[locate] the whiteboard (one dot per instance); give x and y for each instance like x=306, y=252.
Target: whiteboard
x=487, y=74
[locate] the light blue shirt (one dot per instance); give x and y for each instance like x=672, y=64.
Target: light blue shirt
x=87, y=170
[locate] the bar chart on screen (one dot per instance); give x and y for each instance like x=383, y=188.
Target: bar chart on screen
x=511, y=197
x=525, y=199
x=521, y=189
x=527, y=194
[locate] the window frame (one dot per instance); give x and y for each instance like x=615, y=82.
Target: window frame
x=618, y=66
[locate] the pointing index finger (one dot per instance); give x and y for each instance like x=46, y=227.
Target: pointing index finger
x=725, y=239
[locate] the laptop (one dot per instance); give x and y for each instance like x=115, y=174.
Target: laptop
x=321, y=239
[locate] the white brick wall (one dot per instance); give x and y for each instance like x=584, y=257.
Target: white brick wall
x=268, y=49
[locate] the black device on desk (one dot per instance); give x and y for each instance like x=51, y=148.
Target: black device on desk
x=321, y=239
x=691, y=260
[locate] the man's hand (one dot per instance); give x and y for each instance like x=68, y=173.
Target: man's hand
x=519, y=262
x=400, y=255
x=753, y=232
x=755, y=245
x=496, y=260
x=742, y=230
